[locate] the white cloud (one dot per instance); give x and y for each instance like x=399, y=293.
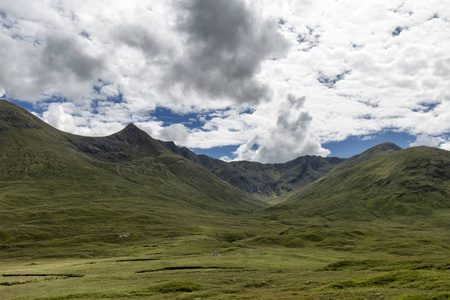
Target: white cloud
x=445, y=146
x=362, y=67
x=367, y=138
x=285, y=139
x=431, y=141
x=109, y=91
x=56, y=116
x=174, y=132
x=426, y=140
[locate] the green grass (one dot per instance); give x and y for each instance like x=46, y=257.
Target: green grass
x=244, y=257
x=426, y=280
x=120, y=217
x=185, y=267
x=408, y=184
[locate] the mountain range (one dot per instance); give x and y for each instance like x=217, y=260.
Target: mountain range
x=51, y=179
x=127, y=216
x=268, y=182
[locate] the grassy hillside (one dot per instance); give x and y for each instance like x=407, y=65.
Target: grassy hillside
x=379, y=184
x=62, y=189
x=122, y=217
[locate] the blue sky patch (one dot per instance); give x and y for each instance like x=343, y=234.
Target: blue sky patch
x=330, y=82
x=190, y=120
x=397, y=31
x=216, y=152
x=27, y=105
x=427, y=107
x=358, y=144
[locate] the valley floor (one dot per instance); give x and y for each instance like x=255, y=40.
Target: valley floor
x=281, y=261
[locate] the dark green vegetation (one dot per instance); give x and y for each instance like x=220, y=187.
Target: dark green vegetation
x=123, y=217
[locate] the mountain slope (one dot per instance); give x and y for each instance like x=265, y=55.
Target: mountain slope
x=382, y=182
x=31, y=149
x=55, y=185
x=375, y=151
x=265, y=181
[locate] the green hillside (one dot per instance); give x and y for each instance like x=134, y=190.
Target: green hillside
x=126, y=216
x=61, y=188
x=381, y=182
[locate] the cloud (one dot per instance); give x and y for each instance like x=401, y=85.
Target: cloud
x=43, y=55
x=64, y=56
x=174, y=132
x=367, y=138
x=431, y=141
x=442, y=142
x=138, y=37
x=95, y=66
x=379, y=81
x=445, y=146
x=286, y=139
x=226, y=43
x=56, y=116
x=226, y=127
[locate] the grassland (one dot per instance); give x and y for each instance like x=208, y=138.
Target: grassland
x=120, y=217
x=238, y=257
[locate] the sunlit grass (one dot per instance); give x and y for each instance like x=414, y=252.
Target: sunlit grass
x=327, y=260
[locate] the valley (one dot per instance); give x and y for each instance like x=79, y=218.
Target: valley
x=126, y=216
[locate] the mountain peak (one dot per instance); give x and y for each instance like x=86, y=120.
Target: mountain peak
x=131, y=126
x=377, y=150
x=388, y=146
x=133, y=135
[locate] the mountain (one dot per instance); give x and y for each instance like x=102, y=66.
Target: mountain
x=127, y=216
x=269, y=182
x=56, y=185
x=382, y=182
x=31, y=149
x=375, y=151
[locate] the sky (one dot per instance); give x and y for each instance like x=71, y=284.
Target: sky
x=261, y=80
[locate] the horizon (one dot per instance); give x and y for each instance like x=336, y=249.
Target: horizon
x=270, y=82
x=350, y=147
x=344, y=149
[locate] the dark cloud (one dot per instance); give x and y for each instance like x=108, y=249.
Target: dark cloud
x=138, y=37
x=289, y=117
x=226, y=44
x=6, y=21
x=86, y=35
x=295, y=101
x=63, y=55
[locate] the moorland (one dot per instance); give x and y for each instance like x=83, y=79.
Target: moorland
x=127, y=216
